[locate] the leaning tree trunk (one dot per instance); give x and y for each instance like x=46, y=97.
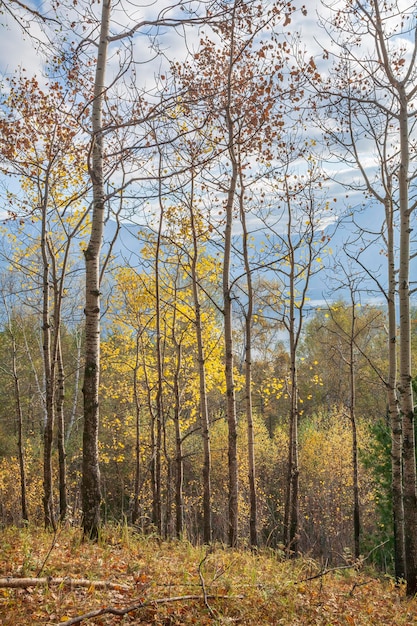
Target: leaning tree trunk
x=90, y=485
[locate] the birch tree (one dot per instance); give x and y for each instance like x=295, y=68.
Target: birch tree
x=233, y=83
x=378, y=60
x=125, y=147
x=41, y=149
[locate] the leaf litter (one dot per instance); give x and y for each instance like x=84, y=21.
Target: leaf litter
x=174, y=583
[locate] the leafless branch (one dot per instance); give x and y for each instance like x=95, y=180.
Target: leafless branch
x=140, y=605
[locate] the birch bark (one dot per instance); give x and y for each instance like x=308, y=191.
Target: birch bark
x=90, y=484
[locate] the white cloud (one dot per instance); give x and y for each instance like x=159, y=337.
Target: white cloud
x=17, y=49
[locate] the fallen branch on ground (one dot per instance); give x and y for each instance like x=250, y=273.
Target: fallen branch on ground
x=357, y=564
x=141, y=605
x=23, y=583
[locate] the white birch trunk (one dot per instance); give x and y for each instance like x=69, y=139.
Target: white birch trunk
x=90, y=485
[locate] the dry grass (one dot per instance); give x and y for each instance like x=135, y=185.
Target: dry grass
x=231, y=587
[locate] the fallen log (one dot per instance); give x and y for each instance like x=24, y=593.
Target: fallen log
x=23, y=583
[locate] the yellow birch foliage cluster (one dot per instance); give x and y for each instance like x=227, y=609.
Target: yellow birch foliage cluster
x=10, y=493
x=326, y=482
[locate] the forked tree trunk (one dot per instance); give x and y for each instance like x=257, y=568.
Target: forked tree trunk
x=90, y=484
x=227, y=307
x=49, y=373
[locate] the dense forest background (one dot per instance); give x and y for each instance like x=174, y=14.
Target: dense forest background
x=207, y=322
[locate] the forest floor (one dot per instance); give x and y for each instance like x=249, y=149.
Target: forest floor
x=127, y=579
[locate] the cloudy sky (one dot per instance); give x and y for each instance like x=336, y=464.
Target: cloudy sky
x=17, y=49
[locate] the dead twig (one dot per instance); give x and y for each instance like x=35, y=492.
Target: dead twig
x=54, y=538
x=356, y=585
x=357, y=564
x=203, y=586
x=324, y=572
x=140, y=605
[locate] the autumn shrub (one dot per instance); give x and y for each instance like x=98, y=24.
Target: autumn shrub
x=270, y=457
x=326, y=485
x=272, y=468
x=10, y=490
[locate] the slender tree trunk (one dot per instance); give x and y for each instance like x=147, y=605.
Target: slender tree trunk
x=75, y=395
x=61, y=434
x=393, y=408
x=49, y=374
x=356, y=507
x=405, y=371
x=204, y=414
x=136, y=502
x=167, y=519
x=352, y=417
x=20, y=444
x=291, y=516
x=179, y=461
x=152, y=429
x=227, y=311
x=154, y=465
x=291, y=513
x=406, y=405
x=253, y=518
x=230, y=383
x=90, y=484
x=159, y=418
